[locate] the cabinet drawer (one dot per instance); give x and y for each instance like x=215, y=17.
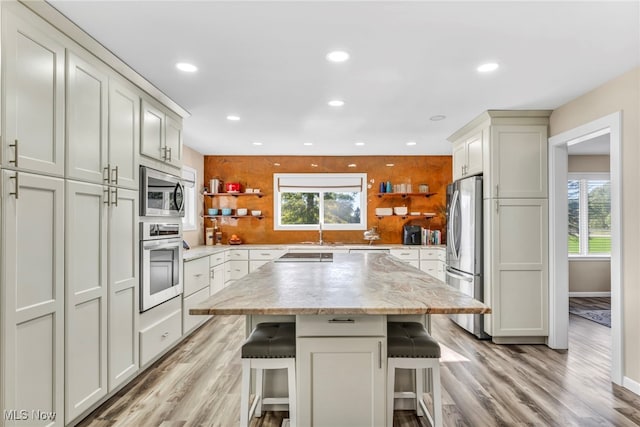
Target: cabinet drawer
x=265, y=254
x=196, y=275
x=405, y=254
x=430, y=266
x=159, y=337
x=340, y=325
x=236, y=254
x=190, y=321
x=432, y=254
x=238, y=269
x=216, y=259
x=254, y=265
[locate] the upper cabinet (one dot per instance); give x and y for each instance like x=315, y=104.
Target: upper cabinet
x=34, y=95
x=161, y=135
x=87, y=97
x=509, y=148
x=467, y=156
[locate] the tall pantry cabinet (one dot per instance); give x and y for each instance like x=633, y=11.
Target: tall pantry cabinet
x=514, y=168
x=69, y=255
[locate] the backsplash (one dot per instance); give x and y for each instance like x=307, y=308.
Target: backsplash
x=256, y=172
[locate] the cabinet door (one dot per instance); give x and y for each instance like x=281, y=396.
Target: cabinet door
x=518, y=161
x=87, y=87
x=459, y=160
x=33, y=293
x=216, y=279
x=123, y=286
x=474, y=155
x=86, y=297
x=173, y=141
x=341, y=381
x=33, y=72
x=152, y=125
x=124, y=135
x=519, y=267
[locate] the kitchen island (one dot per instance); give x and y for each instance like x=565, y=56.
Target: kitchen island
x=340, y=309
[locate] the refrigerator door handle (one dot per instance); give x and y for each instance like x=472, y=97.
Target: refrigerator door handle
x=451, y=224
x=459, y=276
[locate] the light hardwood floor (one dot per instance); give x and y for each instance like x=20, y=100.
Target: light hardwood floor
x=198, y=384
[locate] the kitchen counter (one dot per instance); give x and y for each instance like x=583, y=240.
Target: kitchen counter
x=352, y=284
x=201, y=251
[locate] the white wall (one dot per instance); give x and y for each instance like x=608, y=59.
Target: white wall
x=195, y=160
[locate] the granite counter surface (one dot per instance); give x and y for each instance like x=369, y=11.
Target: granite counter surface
x=351, y=284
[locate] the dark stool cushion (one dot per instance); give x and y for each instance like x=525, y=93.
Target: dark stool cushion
x=410, y=339
x=271, y=340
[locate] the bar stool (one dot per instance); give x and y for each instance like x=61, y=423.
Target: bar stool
x=269, y=346
x=409, y=346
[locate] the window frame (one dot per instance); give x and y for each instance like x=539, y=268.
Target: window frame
x=277, y=200
x=190, y=220
x=583, y=231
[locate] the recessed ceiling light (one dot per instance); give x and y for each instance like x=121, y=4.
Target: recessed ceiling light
x=390, y=164
x=257, y=143
x=351, y=165
x=233, y=118
x=337, y=56
x=336, y=103
x=437, y=118
x=308, y=143
x=411, y=143
x=186, y=67
x=360, y=143
x=488, y=67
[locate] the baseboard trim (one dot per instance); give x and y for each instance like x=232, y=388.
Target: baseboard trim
x=631, y=385
x=589, y=294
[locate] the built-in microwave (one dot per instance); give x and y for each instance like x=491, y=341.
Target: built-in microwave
x=161, y=194
x=160, y=263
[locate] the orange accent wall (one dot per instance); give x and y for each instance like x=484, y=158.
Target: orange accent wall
x=257, y=172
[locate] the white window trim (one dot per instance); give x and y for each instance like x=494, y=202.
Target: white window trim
x=189, y=221
x=584, y=207
x=316, y=186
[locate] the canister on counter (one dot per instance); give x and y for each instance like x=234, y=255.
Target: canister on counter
x=209, y=236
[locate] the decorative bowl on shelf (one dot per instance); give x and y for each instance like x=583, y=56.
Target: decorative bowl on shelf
x=241, y=211
x=212, y=211
x=226, y=211
x=256, y=213
x=384, y=211
x=400, y=210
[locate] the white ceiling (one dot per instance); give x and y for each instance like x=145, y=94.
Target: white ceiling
x=265, y=61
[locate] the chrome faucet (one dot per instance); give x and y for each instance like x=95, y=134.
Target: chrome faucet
x=320, y=232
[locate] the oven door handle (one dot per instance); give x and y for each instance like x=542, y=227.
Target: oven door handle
x=162, y=244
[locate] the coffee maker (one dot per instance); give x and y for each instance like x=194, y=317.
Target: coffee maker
x=412, y=235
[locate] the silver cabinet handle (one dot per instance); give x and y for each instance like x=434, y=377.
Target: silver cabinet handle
x=15, y=147
x=212, y=274
x=107, y=196
x=115, y=197
x=166, y=334
x=379, y=354
x=105, y=173
x=341, y=321
x=197, y=275
x=114, y=180
x=17, y=192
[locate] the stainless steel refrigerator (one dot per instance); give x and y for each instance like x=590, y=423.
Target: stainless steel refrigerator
x=464, y=247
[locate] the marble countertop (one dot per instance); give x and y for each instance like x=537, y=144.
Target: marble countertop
x=201, y=251
x=351, y=284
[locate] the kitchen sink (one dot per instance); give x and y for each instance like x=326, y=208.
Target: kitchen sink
x=321, y=244
x=305, y=257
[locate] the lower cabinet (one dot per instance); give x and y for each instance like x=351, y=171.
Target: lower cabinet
x=196, y=289
x=32, y=276
x=409, y=256
x=190, y=321
x=216, y=278
x=433, y=262
x=341, y=381
x=160, y=329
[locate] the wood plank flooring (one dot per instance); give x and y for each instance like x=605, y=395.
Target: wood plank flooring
x=485, y=384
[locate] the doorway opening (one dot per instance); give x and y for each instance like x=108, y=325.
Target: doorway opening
x=559, y=147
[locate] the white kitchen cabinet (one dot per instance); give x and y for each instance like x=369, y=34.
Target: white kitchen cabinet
x=236, y=265
x=159, y=337
x=260, y=257
x=87, y=103
x=216, y=278
x=33, y=70
x=86, y=297
x=433, y=262
x=161, y=134
x=33, y=294
x=518, y=267
x=341, y=381
x=124, y=135
x=191, y=321
x=518, y=162
x=196, y=289
x=409, y=256
x=467, y=156
x=124, y=282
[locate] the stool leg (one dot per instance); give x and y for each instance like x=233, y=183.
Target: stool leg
x=293, y=407
x=259, y=391
x=437, y=397
x=391, y=390
x=419, y=391
x=244, y=394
